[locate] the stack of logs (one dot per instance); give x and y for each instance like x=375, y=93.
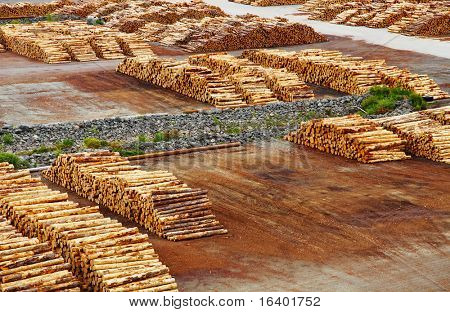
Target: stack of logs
x=197, y=82
x=268, y=2
x=352, y=137
x=279, y=83
x=25, y=263
x=345, y=73
x=441, y=114
x=425, y=137
x=230, y=33
x=105, y=255
x=409, y=17
x=26, y=9
x=155, y=199
x=59, y=42
x=2, y=48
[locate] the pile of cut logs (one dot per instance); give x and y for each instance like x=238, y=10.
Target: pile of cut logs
x=155, y=199
x=269, y=2
x=352, y=137
x=105, y=255
x=28, y=265
x=197, y=82
x=26, y=9
x=345, y=73
x=230, y=33
x=274, y=83
x=409, y=17
x=58, y=42
x=441, y=114
x=425, y=137
x=133, y=14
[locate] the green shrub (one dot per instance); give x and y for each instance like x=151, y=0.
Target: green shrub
x=64, y=144
x=383, y=99
x=94, y=143
x=13, y=159
x=42, y=149
x=115, y=145
x=158, y=137
x=142, y=138
x=8, y=138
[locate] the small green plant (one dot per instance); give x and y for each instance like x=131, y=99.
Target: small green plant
x=42, y=149
x=158, y=137
x=64, y=144
x=8, y=139
x=15, y=160
x=142, y=138
x=216, y=121
x=115, y=145
x=94, y=131
x=383, y=99
x=99, y=22
x=233, y=129
x=51, y=18
x=94, y=143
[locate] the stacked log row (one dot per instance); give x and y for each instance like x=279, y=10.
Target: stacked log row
x=134, y=45
x=441, y=114
x=268, y=2
x=424, y=137
x=230, y=33
x=2, y=48
x=352, y=137
x=248, y=78
x=197, y=82
x=58, y=42
x=26, y=9
x=105, y=255
x=344, y=73
x=155, y=199
x=28, y=265
x=283, y=85
x=409, y=17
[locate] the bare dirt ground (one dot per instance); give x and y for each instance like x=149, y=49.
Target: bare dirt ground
x=32, y=92
x=302, y=220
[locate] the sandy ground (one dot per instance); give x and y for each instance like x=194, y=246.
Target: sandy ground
x=302, y=220
x=32, y=92
x=370, y=35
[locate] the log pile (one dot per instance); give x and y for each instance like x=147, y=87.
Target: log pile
x=285, y=86
x=133, y=14
x=26, y=265
x=155, y=199
x=26, y=9
x=230, y=33
x=424, y=136
x=345, y=73
x=352, y=137
x=269, y=2
x=105, y=255
x=441, y=114
x=57, y=42
x=409, y=17
x=197, y=82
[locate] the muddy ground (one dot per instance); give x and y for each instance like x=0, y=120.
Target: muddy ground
x=32, y=92
x=302, y=220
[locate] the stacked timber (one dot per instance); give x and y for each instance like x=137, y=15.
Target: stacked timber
x=197, y=82
x=26, y=9
x=352, y=137
x=79, y=49
x=134, y=45
x=230, y=33
x=345, y=73
x=441, y=114
x=424, y=136
x=155, y=199
x=2, y=48
x=283, y=85
x=105, y=255
x=28, y=265
x=105, y=45
x=269, y=2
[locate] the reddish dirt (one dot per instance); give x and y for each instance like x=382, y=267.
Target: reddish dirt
x=299, y=219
